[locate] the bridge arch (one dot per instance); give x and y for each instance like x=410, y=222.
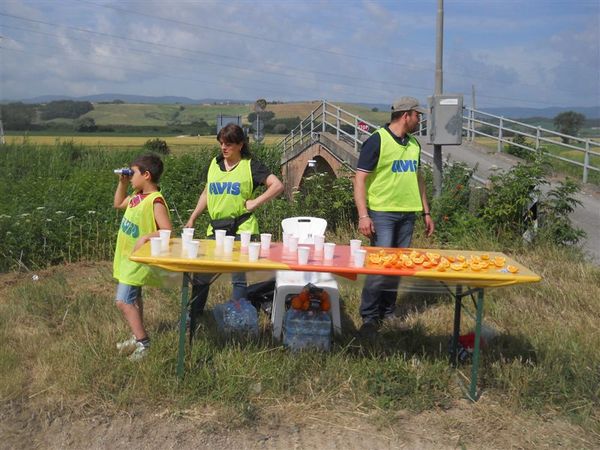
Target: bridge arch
x=297, y=168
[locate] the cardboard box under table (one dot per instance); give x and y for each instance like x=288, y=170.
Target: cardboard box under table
x=461, y=273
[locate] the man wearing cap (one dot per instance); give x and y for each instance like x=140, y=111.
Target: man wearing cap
x=389, y=193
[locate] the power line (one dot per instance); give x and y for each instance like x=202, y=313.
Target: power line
x=246, y=68
x=201, y=52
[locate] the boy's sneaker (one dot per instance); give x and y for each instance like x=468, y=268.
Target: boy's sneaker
x=141, y=350
x=126, y=345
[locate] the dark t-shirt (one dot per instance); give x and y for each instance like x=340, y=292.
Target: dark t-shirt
x=369, y=152
x=260, y=172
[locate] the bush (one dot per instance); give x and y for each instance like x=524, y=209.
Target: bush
x=157, y=146
x=516, y=148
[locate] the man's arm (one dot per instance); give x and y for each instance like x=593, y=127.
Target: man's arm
x=429, y=225
x=365, y=224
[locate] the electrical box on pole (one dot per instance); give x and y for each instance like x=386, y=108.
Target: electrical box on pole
x=444, y=124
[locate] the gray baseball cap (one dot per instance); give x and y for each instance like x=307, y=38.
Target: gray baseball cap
x=408, y=104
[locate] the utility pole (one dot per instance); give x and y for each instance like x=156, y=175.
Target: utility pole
x=439, y=88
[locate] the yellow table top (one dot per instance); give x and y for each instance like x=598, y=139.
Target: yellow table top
x=470, y=268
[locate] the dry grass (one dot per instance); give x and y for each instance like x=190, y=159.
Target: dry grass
x=125, y=141
x=540, y=377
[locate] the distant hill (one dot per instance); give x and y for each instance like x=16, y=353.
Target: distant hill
x=134, y=99
x=508, y=111
x=592, y=112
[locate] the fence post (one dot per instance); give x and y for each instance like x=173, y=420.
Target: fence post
x=538, y=133
x=500, y=125
x=337, y=123
x=323, y=118
x=355, y=133
x=586, y=160
x=312, y=124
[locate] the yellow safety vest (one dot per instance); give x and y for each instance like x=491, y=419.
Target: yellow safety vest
x=227, y=193
x=393, y=185
x=137, y=222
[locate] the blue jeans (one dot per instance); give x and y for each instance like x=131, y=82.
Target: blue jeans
x=392, y=229
x=201, y=284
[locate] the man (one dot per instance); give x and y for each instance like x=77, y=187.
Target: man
x=389, y=193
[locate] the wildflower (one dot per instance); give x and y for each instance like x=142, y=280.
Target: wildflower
x=4, y=216
x=39, y=208
x=25, y=214
x=91, y=212
x=8, y=232
x=59, y=212
x=48, y=220
x=70, y=217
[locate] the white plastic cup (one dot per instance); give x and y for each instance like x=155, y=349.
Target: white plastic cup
x=319, y=240
x=165, y=235
x=192, y=248
x=286, y=239
x=220, y=237
x=354, y=245
x=228, y=245
x=188, y=231
x=359, y=257
x=155, y=246
x=253, y=251
x=265, y=241
x=245, y=238
x=292, y=244
x=328, y=250
x=303, y=254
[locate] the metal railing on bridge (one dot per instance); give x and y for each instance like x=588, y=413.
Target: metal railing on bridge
x=543, y=141
x=329, y=118
x=353, y=130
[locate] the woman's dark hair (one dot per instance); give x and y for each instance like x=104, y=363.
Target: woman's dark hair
x=149, y=162
x=233, y=134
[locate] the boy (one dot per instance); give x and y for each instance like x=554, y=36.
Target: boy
x=146, y=212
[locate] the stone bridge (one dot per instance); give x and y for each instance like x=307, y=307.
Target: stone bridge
x=332, y=156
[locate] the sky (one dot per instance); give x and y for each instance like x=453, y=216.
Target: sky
x=527, y=53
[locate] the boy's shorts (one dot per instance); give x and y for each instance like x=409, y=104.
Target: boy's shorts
x=128, y=294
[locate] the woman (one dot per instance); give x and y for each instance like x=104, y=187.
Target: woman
x=232, y=178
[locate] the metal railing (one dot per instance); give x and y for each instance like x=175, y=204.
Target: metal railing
x=353, y=130
x=503, y=130
x=329, y=118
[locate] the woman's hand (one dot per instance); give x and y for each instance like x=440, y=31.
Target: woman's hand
x=251, y=205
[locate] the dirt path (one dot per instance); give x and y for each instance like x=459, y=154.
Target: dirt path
x=485, y=425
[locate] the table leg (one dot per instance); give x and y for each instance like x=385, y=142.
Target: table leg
x=475, y=367
x=456, y=333
x=182, y=321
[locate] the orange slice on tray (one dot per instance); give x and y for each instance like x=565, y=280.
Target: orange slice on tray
x=427, y=264
x=512, y=269
x=456, y=266
x=485, y=256
x=475, y=266
x=499, y=261
x=460, y=258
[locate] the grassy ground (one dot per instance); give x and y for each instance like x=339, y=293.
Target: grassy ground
x=57, y=337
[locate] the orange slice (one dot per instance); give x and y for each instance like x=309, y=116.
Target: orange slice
x=512, y=269
x=485, y=256
x=427, y=264
x=456, y=266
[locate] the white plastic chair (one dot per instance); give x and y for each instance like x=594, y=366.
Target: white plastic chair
x=290, y=282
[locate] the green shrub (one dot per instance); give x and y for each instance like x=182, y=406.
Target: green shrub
x=157, y=146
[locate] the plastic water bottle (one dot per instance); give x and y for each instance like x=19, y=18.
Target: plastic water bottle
x=240, y=316
x=124, y=171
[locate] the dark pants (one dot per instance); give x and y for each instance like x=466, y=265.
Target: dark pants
x=201, y=284
x=392, y=229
